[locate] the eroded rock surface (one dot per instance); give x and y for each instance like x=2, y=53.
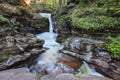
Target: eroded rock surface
x=18, y=48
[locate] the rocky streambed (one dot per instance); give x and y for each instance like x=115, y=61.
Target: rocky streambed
x=19, y=52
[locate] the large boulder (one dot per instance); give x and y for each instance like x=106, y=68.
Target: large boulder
x=84, y=47
x=81, y=45
x=51, y=68
x=17, y=74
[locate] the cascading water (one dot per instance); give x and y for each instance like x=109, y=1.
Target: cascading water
x=85, y=69
x=50, y=42
x=51, y=54
x=46, y=15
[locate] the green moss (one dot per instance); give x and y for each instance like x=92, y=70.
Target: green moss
x=78, y=75
x=94, y=22
x=114, y=11
x=114, y=46
x=3, y=19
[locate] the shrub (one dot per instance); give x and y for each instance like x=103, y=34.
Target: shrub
x=90, y=11
x=114, y=46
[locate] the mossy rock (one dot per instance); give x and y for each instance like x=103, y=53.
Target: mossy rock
x=3, y=56
x=14, y=2
x=3, y=20
x=9, y=9
x=2, y=33
x=25, y=11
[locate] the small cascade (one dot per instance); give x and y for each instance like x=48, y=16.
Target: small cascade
x=85, y=69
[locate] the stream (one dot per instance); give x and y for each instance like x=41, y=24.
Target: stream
x=51, y=55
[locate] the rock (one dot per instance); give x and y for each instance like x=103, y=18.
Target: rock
x=106, y=65
x=19, y=48
x=111, y=70
x=100, y=63
x=17, y=74
x=69, y=61
x=92, y=77
x=92, y=52
x=51, y=68
x=82, y=47
x=68, y=76
x=86, y=57
x=48, y=77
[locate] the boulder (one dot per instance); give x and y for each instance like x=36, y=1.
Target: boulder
x=68, y=76
x=51, y=68
x=82, y=47
x=17, y=74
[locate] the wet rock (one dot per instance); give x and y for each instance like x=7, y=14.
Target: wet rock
x=51, y=68
x=17, y=74
x=69, y=61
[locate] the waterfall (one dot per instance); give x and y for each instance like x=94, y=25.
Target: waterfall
x=47, y=15
x=49, y=37
x=50, y=42
x=51, y=54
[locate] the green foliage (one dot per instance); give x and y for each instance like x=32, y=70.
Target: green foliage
x=62, y=19
x=94, y=22
x=114, y=46
x=114, y=11
x=3, y=19
x=90, y=11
